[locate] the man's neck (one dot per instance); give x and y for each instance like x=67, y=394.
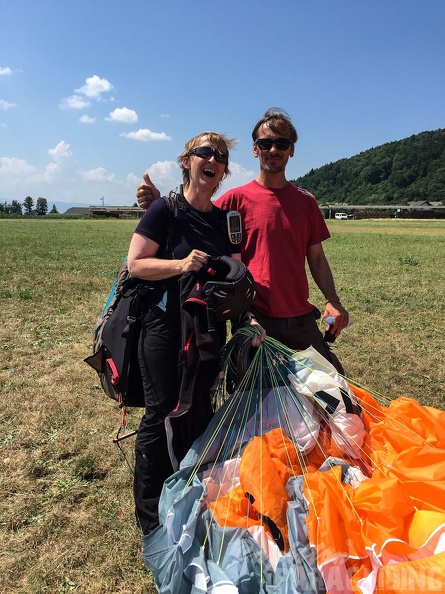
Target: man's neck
x=272, y=181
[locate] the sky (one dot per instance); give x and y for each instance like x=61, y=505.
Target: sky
x=93, y=92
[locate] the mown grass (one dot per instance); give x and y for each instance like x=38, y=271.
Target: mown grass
x=66, y=513
x=391, y=277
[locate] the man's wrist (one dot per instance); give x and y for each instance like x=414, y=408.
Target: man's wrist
x=333, y=300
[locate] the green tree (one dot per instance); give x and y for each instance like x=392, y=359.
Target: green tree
x=42, y=206
x=16, y=207
x=408, y=169
x=28, y=205
x=53, y=210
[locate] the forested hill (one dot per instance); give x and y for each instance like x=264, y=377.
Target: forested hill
x=393, y=173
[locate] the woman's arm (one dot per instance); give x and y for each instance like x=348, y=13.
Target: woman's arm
x=143, y=263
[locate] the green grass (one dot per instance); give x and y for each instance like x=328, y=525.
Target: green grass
x=391, y=278
x=66, y=517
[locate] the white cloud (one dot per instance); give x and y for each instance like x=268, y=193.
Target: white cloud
x=239, y=176
x=5, y=71
x=19, y=172
x=85, y=119
x=124, y=115
x=133, y=181
x=146, y=135
x=49, y=173
x=60, y=152
x=98, y=175
x=165, y=115
x=166, y=175
x=74, y=102
x=94, y=87
x=13, y=167
x=5, y=105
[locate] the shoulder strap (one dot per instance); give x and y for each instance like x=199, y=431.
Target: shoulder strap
x=177, y=206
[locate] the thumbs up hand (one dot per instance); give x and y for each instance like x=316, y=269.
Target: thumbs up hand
x=147, y=192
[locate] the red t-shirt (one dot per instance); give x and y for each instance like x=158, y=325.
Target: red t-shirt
x=278, y=227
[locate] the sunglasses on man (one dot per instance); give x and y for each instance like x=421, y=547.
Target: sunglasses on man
x=265, y=144
x=207, y=152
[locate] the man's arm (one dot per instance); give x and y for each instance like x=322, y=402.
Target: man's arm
x=322, y=275
x=147, y=192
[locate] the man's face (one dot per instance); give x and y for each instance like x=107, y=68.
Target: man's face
x=272, y=160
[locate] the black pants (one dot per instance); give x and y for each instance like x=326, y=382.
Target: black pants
x=158, y=352
x=299, y=333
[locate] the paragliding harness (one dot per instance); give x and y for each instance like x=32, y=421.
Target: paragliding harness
x=117, y=330
x=118, y=326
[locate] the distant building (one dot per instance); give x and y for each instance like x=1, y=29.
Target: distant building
x=423, y=204
x=116, y=211
x=77, y=210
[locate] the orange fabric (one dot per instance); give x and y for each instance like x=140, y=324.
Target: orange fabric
x=397, y=511
x=234, y=509
x=423, y=575
x=266, y=465
x=390, y=526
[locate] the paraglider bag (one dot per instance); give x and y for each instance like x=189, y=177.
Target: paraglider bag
x=116, y=341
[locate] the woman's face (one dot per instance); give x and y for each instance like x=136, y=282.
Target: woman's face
x=207, y=164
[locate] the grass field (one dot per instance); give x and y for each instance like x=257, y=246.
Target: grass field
x=66, y=513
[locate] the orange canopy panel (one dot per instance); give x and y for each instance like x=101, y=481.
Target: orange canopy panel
x=396, y=518
x=368, y=536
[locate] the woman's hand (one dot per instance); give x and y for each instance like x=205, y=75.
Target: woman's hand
x=194, y=261
x=258, y=338
x=250, y=320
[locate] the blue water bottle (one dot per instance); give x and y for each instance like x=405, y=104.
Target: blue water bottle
x=328, y=336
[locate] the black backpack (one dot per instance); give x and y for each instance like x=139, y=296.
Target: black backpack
x=115, y=339
x=116, y=334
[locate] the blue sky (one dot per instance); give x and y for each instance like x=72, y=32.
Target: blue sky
x=94, y=93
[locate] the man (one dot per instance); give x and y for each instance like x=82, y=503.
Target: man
x=282, y=229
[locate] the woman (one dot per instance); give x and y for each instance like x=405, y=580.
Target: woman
x=198, y=233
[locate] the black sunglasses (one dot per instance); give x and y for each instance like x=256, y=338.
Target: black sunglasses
x=265, y=144
x=206, y=152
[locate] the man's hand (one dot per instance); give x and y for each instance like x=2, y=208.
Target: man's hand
x=147, y=192
x=340, y=315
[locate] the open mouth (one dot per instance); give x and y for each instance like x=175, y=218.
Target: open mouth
x=209, y=172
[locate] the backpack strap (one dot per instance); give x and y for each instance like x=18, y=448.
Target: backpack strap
x=177, y=206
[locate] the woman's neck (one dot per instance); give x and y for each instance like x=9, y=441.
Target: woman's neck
x=198, y=199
